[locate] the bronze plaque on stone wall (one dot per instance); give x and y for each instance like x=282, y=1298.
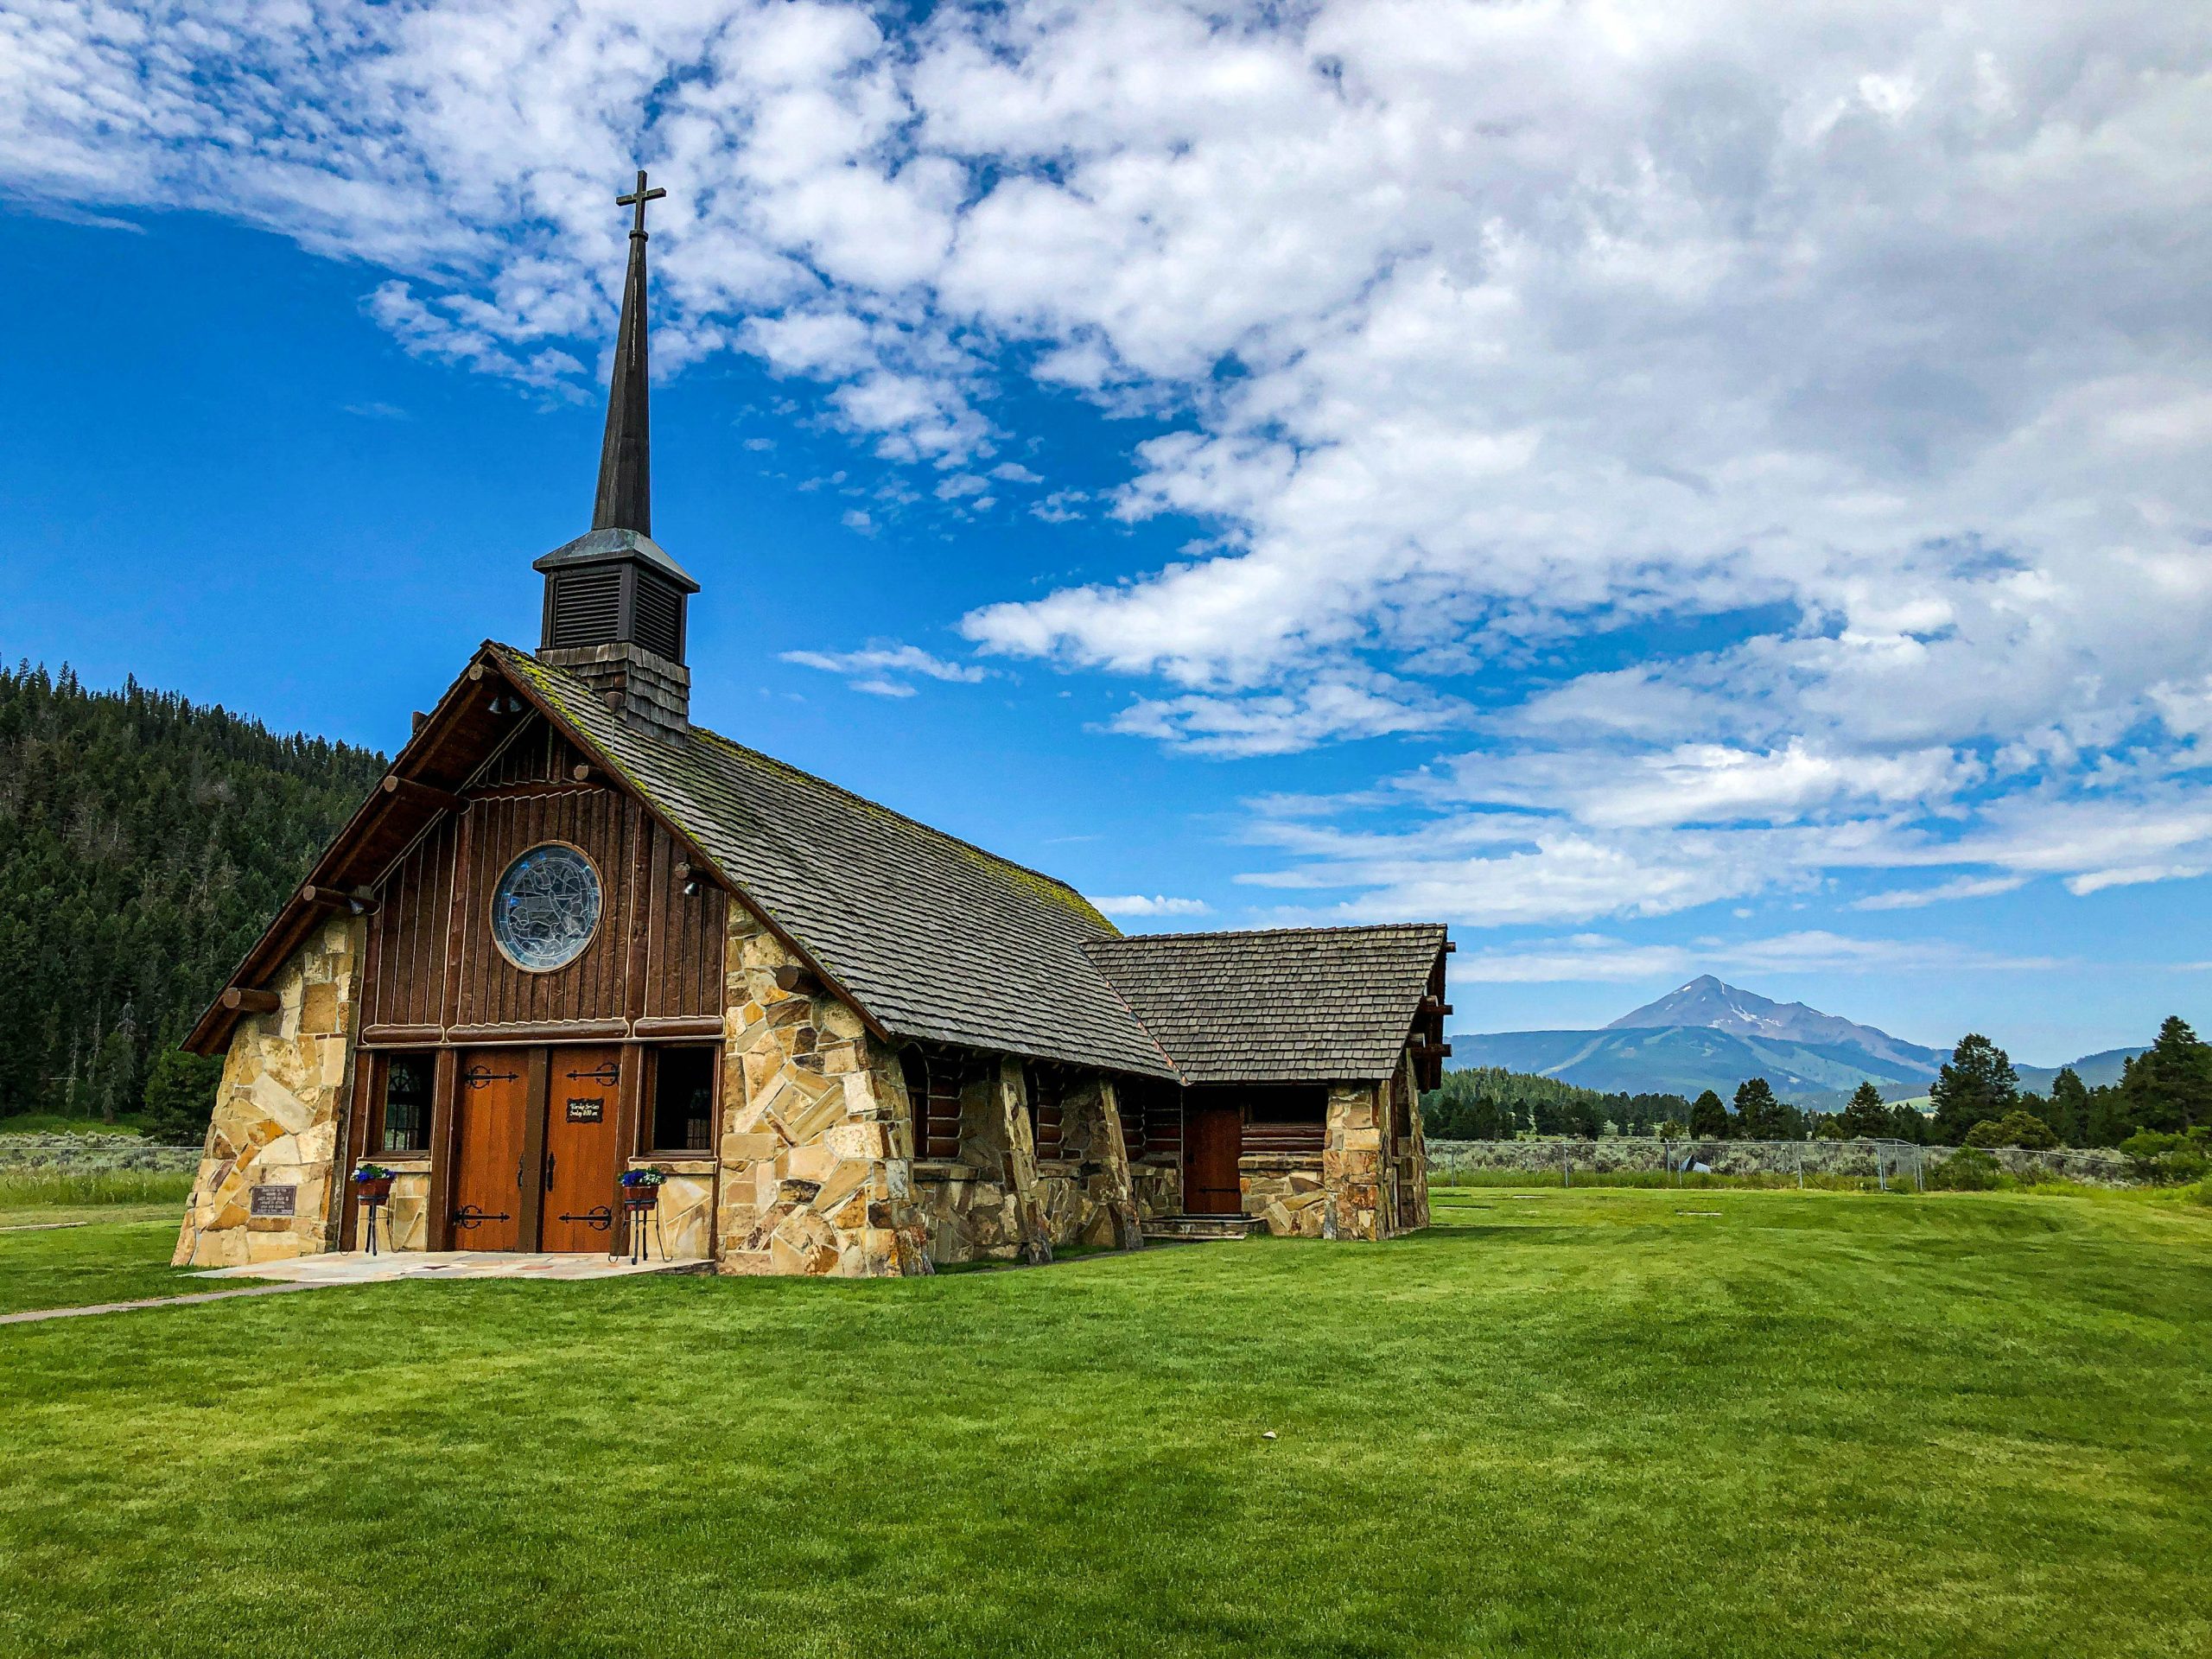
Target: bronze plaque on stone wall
x=593, y=1110
x=275, y=1201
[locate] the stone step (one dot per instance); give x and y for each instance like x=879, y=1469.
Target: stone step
x=1196, y=1229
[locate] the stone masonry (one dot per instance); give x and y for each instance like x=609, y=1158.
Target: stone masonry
x=815, y=1175
x=277, y=1111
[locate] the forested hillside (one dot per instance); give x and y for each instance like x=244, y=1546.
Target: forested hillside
x=144, y=841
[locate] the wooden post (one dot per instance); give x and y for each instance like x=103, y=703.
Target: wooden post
x=355, y=1145
x=531, y=1236
x=445, y=1147
x=629, y=1091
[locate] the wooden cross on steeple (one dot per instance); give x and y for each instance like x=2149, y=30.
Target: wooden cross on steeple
x=625, y=499
x=638, y=198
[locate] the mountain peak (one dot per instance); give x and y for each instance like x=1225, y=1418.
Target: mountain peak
x=1714, y=1004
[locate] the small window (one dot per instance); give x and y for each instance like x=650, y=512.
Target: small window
x=1296, y=1103
x=684, y=1100
x=933, y=1083
x=1047, y=1089
x=407, y=1102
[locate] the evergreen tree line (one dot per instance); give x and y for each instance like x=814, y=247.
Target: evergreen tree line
x=145, y=841
x=2162, y=1099
x=2163, y=1094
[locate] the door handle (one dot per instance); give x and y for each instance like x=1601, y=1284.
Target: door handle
x=518, y=1174
x=549, y=1171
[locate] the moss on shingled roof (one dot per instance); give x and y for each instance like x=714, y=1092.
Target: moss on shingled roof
x=935, y=938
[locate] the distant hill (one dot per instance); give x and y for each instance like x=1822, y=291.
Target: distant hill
x=144, y=841
x=1712, y=1035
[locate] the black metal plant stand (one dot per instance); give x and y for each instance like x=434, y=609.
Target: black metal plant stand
x=643, y=1212
x=374, y=1201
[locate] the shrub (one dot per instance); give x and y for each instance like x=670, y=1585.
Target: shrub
x=2021, y=1129
x=1968, y=1170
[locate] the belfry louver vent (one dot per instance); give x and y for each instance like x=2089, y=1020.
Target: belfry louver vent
x=587, y=607
x=659, y=626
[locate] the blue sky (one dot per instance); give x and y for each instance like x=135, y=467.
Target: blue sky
x=1724, y=493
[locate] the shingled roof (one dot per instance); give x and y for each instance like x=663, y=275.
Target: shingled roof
x=931, y=938
x=935, y=938
x=1279, y=1005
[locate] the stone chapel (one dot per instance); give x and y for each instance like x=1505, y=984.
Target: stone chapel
x=571, y=935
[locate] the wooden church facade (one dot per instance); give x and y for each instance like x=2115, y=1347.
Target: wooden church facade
x=572, y=936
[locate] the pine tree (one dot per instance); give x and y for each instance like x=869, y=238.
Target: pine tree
x=2169, y=1086
x=1978, y=1083
x=1758, y=1114
x=1708, y=1117
x=2107, y=1119
x=2068, y=1110
x=1867, y=1116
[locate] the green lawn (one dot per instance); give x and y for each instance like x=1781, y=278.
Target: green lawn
x=1572, y=1423
x=111, y=1260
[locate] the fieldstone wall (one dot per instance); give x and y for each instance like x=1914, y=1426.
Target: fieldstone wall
x=999, y=1201
x=1158, y=1187
x=1088, y=1196
x=682, y=1219
x=277, y=1113
x=1351, y=1164
x=1289, y=1189
x=814, y=1164
x=988, y=1204
x=405, y=1223
x=1409, y=1171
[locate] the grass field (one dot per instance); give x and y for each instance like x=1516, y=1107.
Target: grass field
x=1582, y=1422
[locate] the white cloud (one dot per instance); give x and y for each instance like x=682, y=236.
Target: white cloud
x=1597, y=958
x=1138, y=905
x=875, y=666
x=1942, y=892
x=1763, y=441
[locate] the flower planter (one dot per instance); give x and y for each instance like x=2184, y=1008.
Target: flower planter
x=374, y=1191
x=641, y=1198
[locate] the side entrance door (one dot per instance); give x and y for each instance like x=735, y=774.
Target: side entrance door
x=582, y=1147
x=491, y=1176
x=1213, y=1138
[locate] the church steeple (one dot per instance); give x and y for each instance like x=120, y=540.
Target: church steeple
x=614, y=602
x=626, y=496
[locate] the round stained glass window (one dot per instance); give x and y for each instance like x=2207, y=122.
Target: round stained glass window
x=545, y=908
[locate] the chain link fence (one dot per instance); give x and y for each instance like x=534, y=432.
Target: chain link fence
x=1882, y=1164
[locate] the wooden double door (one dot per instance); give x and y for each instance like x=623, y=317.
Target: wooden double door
x=537, y=1148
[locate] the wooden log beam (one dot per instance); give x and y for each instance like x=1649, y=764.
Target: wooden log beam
x=241, y=998
x=1432, y=1051
x=793, y=977
x=361, y=900
x=1435, y=1005
x=426, y=794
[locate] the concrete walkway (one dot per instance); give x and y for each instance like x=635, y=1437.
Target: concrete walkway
x=356, y=1267
x=156, y=1301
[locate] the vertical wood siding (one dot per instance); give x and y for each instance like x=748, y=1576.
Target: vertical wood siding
x=658, y=953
